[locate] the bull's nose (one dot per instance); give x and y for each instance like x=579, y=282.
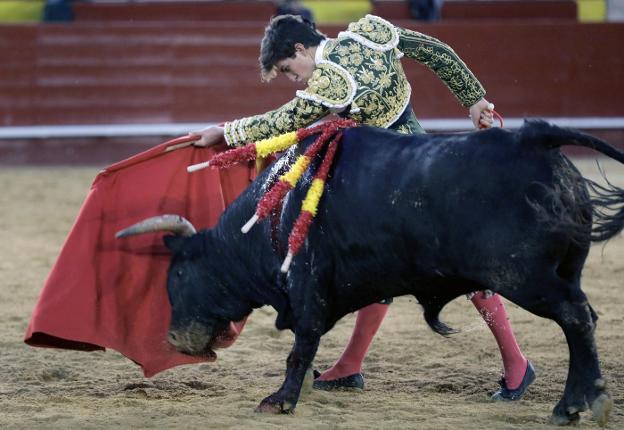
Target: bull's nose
x=192, y=339
x=181, y=342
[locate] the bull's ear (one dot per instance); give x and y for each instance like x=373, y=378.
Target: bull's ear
x=174, y=243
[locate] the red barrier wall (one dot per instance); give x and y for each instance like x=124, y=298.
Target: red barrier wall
x=153, y=73
x=487, y=9
x=246, y=10
x=230, y=10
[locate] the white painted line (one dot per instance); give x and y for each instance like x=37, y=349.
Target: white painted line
x=104, y=130
x=180, y=129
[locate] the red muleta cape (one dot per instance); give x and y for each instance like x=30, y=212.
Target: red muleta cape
x=108, y=293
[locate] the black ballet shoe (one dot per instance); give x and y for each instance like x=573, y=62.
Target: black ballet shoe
x=505, y=394
x=355, y=381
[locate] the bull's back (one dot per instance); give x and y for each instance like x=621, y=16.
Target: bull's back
x=430, y=200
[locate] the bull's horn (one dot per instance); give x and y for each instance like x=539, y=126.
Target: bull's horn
x=173, y=223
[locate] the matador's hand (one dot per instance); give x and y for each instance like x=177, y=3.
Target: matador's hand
x=208, y=136
x=481, y=114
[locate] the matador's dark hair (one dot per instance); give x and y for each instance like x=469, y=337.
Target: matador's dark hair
x=279, y=40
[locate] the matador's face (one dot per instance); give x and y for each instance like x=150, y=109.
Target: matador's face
x=300, y=67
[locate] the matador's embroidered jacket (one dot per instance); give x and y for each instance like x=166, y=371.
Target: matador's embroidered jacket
x=359, y=75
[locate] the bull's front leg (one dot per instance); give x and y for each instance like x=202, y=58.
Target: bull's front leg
x=309, y=313
x=299, y=360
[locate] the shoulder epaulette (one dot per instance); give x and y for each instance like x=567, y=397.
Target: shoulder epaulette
x=330, y=85
x=374, y=32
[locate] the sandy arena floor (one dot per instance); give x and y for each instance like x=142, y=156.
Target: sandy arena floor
x=415, y=378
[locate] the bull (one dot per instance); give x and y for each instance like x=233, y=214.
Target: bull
x=433, y=216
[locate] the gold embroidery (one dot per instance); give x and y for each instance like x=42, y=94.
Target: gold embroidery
x=293, y=115
x=382, y=88
x=404, y=129
x=443, y=61
x=374, y=29
x=330, y=85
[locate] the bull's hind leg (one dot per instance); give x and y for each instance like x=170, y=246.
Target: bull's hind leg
x=567, y=305
x=584, y=385
x=569, y=270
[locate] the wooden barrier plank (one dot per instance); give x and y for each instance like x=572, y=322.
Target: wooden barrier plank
x=509, y=9
x=486, y=9
x=536, y=69
x=175, y=11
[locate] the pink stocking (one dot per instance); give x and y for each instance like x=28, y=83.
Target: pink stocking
x=493, y=312
x=366, y=324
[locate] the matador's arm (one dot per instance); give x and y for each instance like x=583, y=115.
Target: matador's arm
x=444, y=62
x=293, y=115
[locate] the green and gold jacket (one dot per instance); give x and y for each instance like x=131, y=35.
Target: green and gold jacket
x=359, y=75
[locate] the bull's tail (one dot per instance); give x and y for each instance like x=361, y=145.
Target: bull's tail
x=607, y=210
x=607, y=202
x=554, y=137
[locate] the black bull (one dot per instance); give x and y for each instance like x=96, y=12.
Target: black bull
x=434, y=216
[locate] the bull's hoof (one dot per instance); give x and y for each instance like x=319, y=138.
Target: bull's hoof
x=567, y=412
x=601, y=407
x=565, y=419
x=271, y=405
x=308, y=381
